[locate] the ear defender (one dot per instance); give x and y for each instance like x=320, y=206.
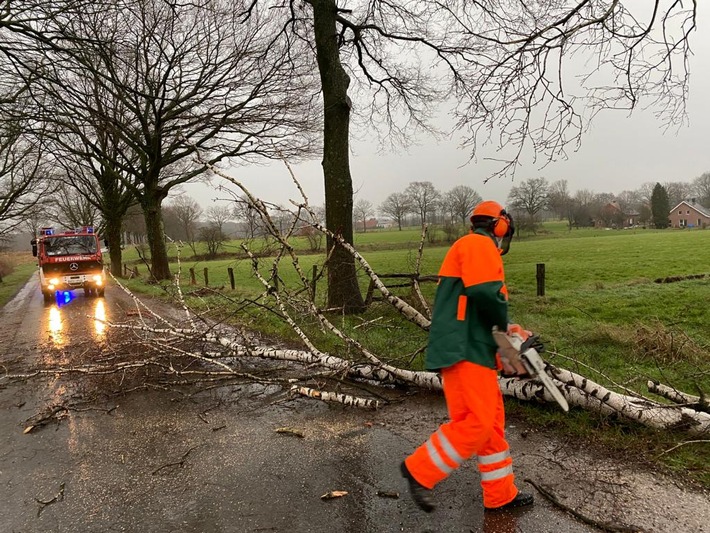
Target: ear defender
x=501, y=225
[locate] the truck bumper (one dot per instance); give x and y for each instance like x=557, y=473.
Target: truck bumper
x=76, y=281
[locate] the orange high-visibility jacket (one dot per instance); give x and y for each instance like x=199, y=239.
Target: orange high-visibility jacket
x=471, y=298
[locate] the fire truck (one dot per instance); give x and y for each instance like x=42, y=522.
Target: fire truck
x=69, y=260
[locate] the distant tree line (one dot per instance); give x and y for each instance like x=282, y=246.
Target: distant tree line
x=534, y=200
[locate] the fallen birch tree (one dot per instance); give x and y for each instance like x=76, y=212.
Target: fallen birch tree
x=219, y=349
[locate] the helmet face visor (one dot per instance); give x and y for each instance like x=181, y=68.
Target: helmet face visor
x=505, y=240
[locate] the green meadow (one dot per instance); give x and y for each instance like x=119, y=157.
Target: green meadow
x=15, y=269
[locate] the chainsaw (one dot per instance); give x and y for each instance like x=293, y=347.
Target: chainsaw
x=517, y=351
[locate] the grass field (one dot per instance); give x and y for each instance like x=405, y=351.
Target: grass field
x=21, y=266
x=603, y=315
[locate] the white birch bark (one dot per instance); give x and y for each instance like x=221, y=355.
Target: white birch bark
x=674, y=395
x=641, y=410
x=578, y=390
x=406, y=310
x=327, y=396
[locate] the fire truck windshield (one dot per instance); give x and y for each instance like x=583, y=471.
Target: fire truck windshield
x=70, y=245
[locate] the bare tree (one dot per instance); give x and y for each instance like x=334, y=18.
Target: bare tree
x=133, y=227
x=678, y=191
x=506, y=66
x=218, y=216
x=460, y=202
x=213, y=237
x=529, y=199
x=629, y=201
x=71, y=209
x=180, y=79
x=632, y=203
x=396, y=206
x=36, y=217
x=23, y=172
x=187, y=213
x=646, y=191
x=362, y=211
x=90, y=170
x=284, y=219
x=244, y=210
x=701, y=189
x=424, y=198
x=313, y=235
x=558, y=198
x=580, y=214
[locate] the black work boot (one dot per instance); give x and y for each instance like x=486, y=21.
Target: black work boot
x=522, y=499
x=420, y=494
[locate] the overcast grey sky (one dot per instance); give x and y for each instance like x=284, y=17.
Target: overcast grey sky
x=620, y=152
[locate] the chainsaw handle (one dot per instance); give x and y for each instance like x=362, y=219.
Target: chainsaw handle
x=533, y=341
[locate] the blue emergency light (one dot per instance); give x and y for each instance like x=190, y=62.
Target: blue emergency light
x=46, y=231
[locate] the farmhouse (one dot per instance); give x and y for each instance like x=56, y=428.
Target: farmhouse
x=612, y=215
x=689, y=214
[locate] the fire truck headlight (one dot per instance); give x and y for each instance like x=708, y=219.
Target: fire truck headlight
x=54, y=281
x=98, y=279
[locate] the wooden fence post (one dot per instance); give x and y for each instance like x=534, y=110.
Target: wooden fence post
x=230, y=272
x=193, y=281
x=207, y=279
x=125, y=270
x=541, y=279
x=370, y=292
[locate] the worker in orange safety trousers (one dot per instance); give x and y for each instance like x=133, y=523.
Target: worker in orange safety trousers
x=471, y=299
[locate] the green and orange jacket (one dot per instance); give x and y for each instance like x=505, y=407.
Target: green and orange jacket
x=470, y=299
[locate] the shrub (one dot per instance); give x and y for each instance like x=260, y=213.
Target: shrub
x=7, y=265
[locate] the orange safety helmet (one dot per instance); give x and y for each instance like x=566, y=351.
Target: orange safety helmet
x=495, y=219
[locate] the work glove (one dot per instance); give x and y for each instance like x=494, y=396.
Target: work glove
x=509, y=360
x=533, y=341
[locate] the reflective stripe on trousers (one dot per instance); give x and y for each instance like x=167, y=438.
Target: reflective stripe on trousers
x=492, y=461
x=442, y=454
x=477, y=423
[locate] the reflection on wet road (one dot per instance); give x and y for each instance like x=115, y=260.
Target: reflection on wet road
x=100, y=316
x=67, y=318
x=55, y=326
x=500, y=522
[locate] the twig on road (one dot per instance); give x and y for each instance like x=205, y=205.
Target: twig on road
x=180, y=462
x=59, y=496
x=604, y=526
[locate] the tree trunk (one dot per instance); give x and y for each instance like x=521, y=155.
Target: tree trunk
x=152, y=212
x=343, y=289
x=113, y=236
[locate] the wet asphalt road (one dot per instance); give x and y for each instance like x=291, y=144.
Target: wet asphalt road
x=156, y=461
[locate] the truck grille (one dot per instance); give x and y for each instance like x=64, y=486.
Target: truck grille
x=64, y=269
